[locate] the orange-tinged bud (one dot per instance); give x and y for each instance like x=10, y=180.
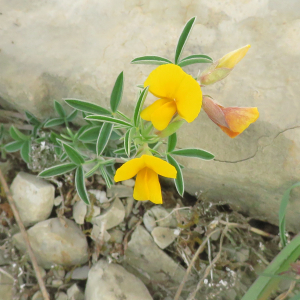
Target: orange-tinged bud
x=232, y=58
x=232, y=120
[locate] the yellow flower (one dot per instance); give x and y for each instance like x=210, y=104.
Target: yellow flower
x=147, y=168
x=232, y=120
x=232, y=58
x=178, y=92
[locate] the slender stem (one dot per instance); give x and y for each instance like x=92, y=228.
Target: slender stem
x=25, y=236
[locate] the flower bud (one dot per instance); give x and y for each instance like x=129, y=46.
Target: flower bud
x=232, y=58
x=172, y=127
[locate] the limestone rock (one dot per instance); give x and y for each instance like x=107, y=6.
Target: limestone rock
x=116, y=235
x=56, y=241
x=146, y=257
x=99, y=195
x=79, y=273
x=129, y=182
x=163, y=217
x=34, y=197
x=79, y=212
x=111, y=217
x=61, y=296
x=6, y=286
x=163, y=236
x=75, y=293
x=98, y=235
x=120, y=191
x=149, y=221
x=112, y=282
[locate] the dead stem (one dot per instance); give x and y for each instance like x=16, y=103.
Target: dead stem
x=25, y=236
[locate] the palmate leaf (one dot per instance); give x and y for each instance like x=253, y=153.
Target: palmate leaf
x=179, y=182
x=58, y=170
x=74, y=156
x=87, y=107
x=183, y=38
x=172, y=141
x=117, y=92
x=59, y=109
x=151, y=60
x=103, y=137
x=139, y=106
x=195, y=59
x=193, y=152
x=107, y=119
x=80, y=185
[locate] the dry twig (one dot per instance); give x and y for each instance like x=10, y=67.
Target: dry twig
x=25, y=236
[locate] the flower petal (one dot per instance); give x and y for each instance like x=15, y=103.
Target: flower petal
x=154, y=187
x=148, y=111
x=232, y=58
x=164, y=81
x=163, y=115
x=214, y=111
x=188, y=98
x=160, y=166
x=129, y=169
x=141, y=190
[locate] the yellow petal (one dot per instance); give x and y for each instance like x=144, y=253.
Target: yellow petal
x=147, y=186
x=129, y=169
x=188, y=98
x=164, y=81
x=163, y=115
x=148, y=111
x=160, y=166
x=232, y=58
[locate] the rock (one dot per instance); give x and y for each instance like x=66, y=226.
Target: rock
x=129, y=182
x=75, y=293
x=61, y=296
x=242, y=255
x=116, y=235
x=112, y=217
x=6, y=285
x=37, y=296
x=149, y=221
x=99, y=195
x=59, y=272
x=120, y=191
x=144, y=257
x=93, y=211
x=56, y=241
x=163, y=236
x=79, y=273
x=42, y=271
x=57, y=283
x=58, y=200
x=34, y=197
x=79, y=212
x=3, y=258
x=97, y=234
x=133, y=220
x=112, y=282
x=160, y=213
x=128, y=206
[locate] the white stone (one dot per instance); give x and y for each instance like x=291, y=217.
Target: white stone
x=79, y=273
x=112, y=217
x=79, y=212
x=57, y=282
x=149, y=221
x=34, y=197
x=163, y=217
x=61, y=296
x=112, y=282
x=129, y=182
x=120, y=191
x=97, y=234
x=145, y=257
x=75, y=293
x=128, y=206
x=58, y=200
x=93, y=211
x=56, y=241
x=163, y=236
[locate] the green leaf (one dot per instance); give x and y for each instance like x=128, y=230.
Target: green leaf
x=139, y=106
x=14, y=146
x=109, y=182
x=25, y=151
x=183, y=38
x=92, y=170
x=90, y=134
x=59, y=109
x=282, y=213
x=121, y=151
x=54, y=122
x=17, y=135
x=123, y=116
x=107, y=119
x=87, y=107
x=103, y=137
x=195, y=59
x=58, y=170
x=265, y=284
x=179, y=183
x=32, y=118
x=127, y=140
x=80, y=185
x=74, y=156
x=91, y=147
x=172, y=141
x=80, y=131
x=193, y=152
x=151, y=60
x=296, y=297
x=116, y=135
x=72, y=115
x=116, y=94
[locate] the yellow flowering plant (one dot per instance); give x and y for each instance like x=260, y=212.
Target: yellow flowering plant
x=145, y=143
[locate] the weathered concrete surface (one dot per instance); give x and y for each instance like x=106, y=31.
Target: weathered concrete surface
x=57, y=49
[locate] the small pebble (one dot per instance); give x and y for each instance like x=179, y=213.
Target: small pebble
x=75, y=293
x=37, y=296
x=116, y=236
x=120, y=191
x=80, y=273
x=57, y=283
x=163, y=236
x=99, y=195
x=97, y=235
x=79, y=212
x=129, y=182
x=58, y=200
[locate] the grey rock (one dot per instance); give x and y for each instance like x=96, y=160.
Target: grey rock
x=149, y=221
x=57, y=283
x=111, y=217
x=75, y=293
x=6, y=285
x=79, y=273
x=166, y=220
x=133, y=220
x=56, y=241
x=3, y=259
x=37, y=296
x=129, y=182
x=79, y=212
x=120, y=191
x=34, y=197
x=57, y=200
x=99, y=195
x=99, y=235
x=116, y=235
x=93, y=211
x=112, y=282
x=163, y=236
x=145, y=257
x=61, y=296
x=128, y=206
